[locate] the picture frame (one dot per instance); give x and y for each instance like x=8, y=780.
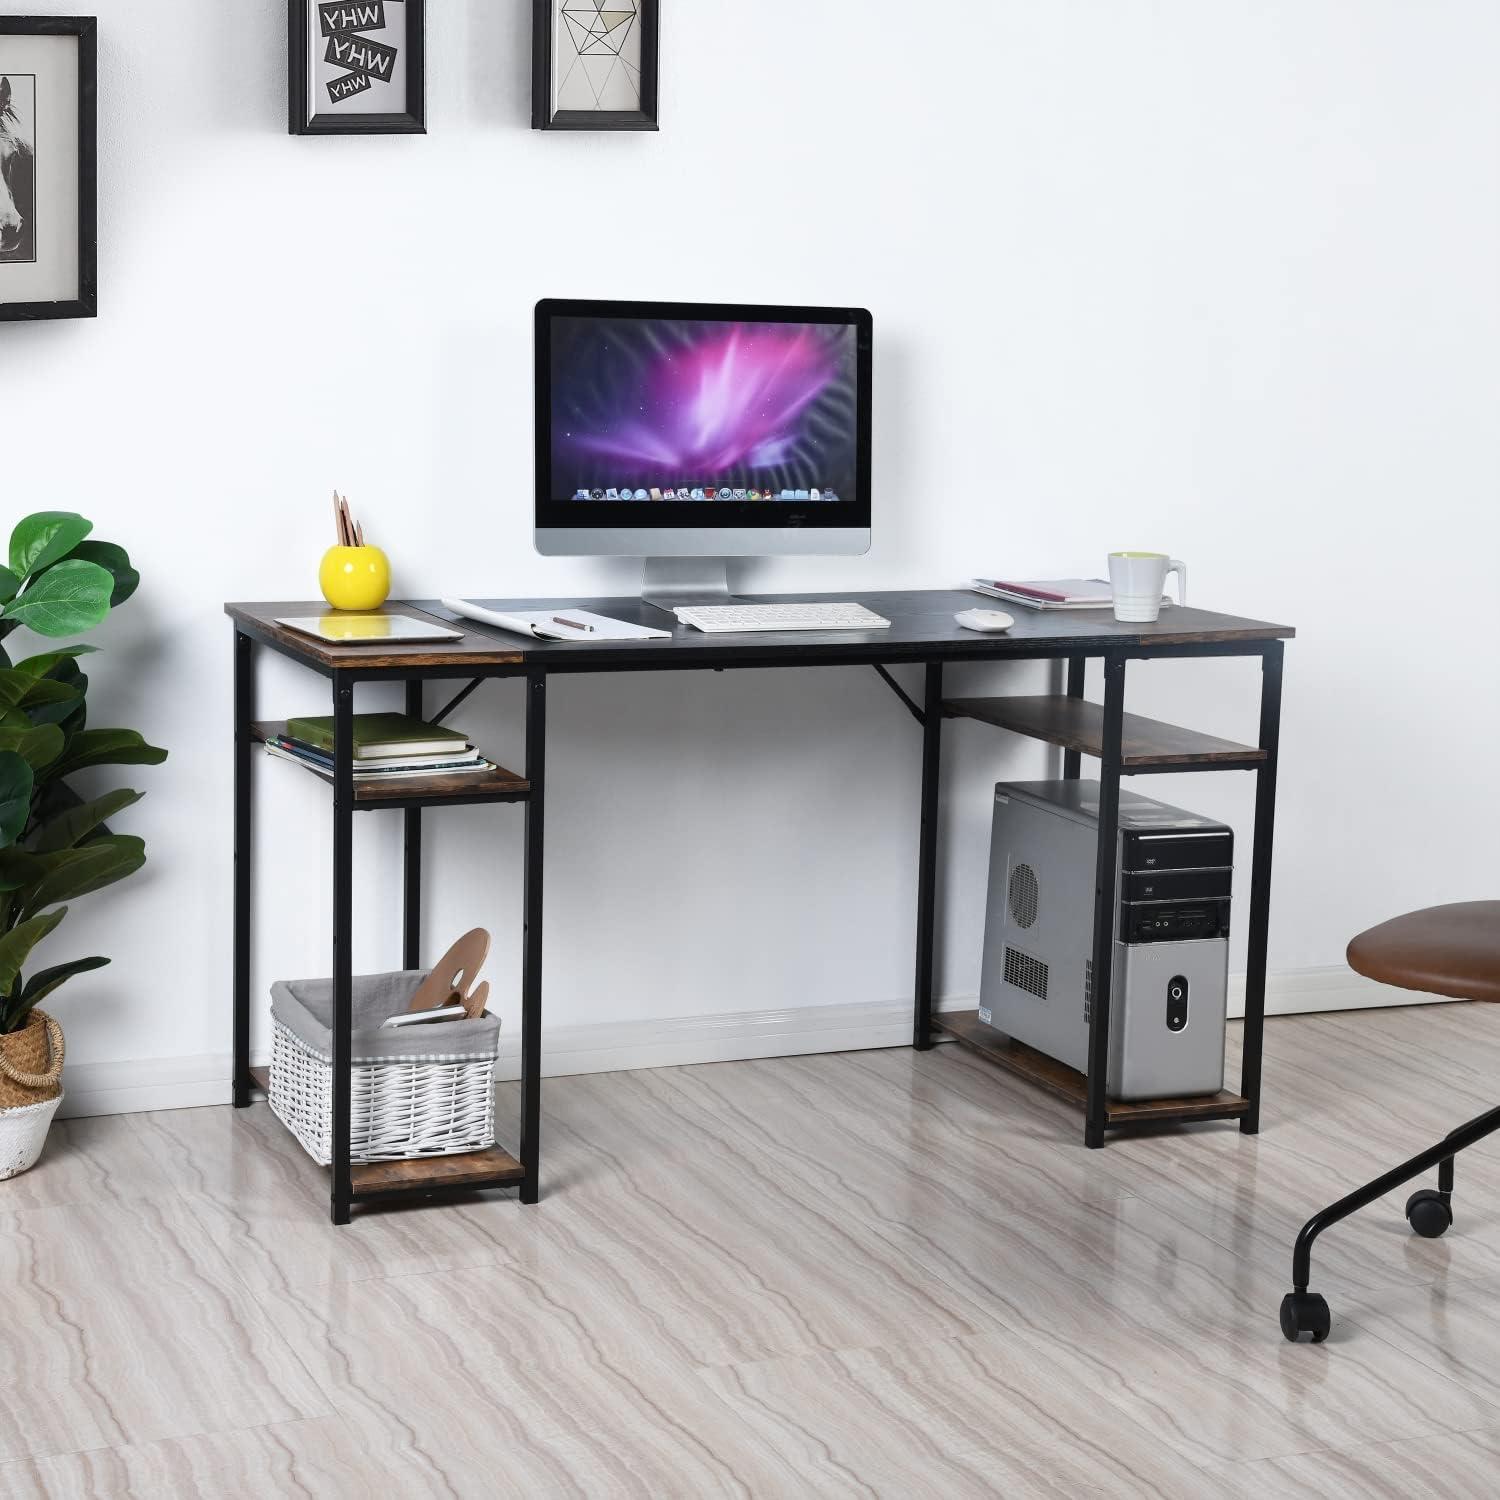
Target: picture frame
x=49, y=176
x=595, y=64
x=357, y=67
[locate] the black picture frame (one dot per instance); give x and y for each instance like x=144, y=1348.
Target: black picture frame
x=86, y=303
x=544, y=117
x=302, y=121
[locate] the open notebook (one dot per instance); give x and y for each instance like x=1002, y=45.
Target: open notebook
x=545, y=624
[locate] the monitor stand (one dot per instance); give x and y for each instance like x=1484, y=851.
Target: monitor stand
x=675, y=582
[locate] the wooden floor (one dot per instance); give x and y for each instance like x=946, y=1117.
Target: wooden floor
x=875, y=1274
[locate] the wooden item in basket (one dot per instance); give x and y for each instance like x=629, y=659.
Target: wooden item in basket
x=452, y=979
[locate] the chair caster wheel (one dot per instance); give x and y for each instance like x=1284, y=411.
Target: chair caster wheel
x=1428, y=1214
x=1305, y=1312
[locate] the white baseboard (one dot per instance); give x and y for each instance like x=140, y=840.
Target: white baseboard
x=128, y=1088
x=616, y=1046
x=1302, y=992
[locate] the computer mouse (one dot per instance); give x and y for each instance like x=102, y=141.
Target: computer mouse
x=986, y=621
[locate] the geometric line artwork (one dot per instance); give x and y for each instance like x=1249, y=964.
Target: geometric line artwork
x=597, y=66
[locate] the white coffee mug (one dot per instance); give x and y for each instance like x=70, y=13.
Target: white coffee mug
x=1137, y=580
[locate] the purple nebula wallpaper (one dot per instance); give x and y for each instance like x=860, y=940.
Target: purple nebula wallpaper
x=669, y=409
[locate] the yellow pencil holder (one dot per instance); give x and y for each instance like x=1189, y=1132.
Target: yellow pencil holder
x=355, y=577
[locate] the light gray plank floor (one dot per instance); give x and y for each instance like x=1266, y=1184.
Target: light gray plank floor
x=872, y=1274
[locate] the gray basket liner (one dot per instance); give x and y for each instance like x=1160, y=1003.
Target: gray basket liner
x=305, y=1008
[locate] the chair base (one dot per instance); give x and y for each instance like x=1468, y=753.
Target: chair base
x=1428, y=1211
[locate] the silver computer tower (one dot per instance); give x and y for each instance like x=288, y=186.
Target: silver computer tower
x=1171, y=952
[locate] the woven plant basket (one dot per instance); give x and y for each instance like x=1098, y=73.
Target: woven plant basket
x=31, y=1063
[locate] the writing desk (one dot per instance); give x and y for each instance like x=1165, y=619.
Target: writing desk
x=922, y=631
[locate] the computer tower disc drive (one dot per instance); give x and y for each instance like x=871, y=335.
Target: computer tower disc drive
x=1168, y=989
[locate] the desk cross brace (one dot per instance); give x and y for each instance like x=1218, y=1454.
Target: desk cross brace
x=901, y=693
x=453, y=702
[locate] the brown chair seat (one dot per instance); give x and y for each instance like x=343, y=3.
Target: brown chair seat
x=1445, y=950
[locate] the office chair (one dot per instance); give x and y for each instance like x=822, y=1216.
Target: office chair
x=1444, y=950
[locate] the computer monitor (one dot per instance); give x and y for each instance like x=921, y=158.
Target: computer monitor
x=688, y=433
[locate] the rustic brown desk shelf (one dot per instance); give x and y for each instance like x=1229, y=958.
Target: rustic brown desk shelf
x=965, y=1027
x=1074, y=724
x=468, y=1171
x=498, y=785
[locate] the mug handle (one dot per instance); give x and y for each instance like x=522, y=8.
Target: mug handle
x=1180, y=569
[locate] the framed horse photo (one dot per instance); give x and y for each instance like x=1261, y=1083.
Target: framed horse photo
x=357, y=67
x=48, y=173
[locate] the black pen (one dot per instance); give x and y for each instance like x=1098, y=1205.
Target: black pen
x=572, y=624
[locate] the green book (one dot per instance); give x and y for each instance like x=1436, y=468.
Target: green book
x=380, y=735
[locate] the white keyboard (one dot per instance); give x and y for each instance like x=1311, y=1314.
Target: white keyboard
x=729, y=619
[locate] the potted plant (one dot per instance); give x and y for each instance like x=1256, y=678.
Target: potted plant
x=55, y=845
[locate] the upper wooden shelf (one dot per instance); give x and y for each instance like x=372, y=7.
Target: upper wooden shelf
x=498, y=785
x=1076, y=724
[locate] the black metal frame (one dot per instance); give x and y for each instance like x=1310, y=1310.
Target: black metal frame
x=929, y=715
x=544, y=117
x=1097, y=1119
x=86, y=303
x=342, y=1192
x=410, y=121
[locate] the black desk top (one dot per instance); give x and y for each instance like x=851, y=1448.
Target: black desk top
x=922, y=629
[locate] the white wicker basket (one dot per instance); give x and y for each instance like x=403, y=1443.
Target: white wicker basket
x=401, y=1106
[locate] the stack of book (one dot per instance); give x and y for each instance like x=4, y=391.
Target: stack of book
x=386, y=747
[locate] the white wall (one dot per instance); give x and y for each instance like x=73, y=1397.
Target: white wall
x=1214, y=278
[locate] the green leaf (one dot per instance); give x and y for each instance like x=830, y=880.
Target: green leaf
x=38, y=746
x=77, y=872
x=105, y=747
x=68, y=713
x=69, y=598
x=47, y=691
x=40, y=666
x=10, y=585
x=67, y=829
x=44, y=981
x=44, y=539
x=116, y=562
x=13, y=687
x=18, y=688
x=15, y=796
x=16, y=945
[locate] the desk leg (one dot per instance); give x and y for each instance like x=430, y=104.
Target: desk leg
x=411, y=873
x=927, y=852
x=531, y=939
x=1076, y=668
x=341, y=1195
x=244, y=714
x=1106, y=859
x=1260, y=886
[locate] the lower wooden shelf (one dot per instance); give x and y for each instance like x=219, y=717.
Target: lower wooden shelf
x=1067, y=1083
x=469, y=1172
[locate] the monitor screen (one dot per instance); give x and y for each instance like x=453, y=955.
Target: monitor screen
x=715, y=416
